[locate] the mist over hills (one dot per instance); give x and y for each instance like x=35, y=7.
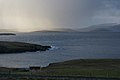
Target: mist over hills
x=107, y=27
x=7, y=31
x=58, y=30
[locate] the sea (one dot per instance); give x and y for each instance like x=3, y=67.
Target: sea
x=65, y=46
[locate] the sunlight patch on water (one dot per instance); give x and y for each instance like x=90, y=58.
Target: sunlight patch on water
x=54, y=47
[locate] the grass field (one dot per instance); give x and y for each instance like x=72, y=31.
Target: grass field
x=108, y=68
x=85, y=67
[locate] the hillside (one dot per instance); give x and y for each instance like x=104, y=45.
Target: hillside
x=107, y=27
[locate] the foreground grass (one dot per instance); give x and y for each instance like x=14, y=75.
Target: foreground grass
x=85, y=67
x=109, y=68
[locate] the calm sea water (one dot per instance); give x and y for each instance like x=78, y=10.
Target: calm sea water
x=66, y=46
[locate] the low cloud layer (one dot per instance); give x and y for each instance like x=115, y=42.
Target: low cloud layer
x=28, y=15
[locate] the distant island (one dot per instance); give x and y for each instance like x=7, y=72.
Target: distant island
x=7, y=34
x=20, y=47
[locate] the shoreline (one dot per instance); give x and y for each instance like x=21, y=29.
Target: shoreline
x=68, y=61
x=8, y=47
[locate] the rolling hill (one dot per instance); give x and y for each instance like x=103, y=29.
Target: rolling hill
x=107, y=27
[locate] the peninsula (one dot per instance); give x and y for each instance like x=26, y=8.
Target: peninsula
x=20, y=47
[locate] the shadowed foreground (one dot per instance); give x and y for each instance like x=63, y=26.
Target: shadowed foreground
x=19, y=47
x=83, y=69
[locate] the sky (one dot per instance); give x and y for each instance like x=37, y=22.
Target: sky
x=34, y=15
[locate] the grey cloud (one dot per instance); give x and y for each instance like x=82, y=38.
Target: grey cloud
x=58, y=13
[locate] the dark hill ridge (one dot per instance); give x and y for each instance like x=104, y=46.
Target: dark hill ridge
x=19, y=47
x=107, y=27
x=7, y=34
x=101, y=30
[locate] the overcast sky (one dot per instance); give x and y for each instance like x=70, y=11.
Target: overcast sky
x=28, y=15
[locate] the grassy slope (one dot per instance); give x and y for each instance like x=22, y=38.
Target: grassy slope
x=83, y=67
x=88, y=67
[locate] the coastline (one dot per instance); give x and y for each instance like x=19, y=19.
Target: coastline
x=20, y=47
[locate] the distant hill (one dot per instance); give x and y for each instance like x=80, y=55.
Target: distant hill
x=7, y=34
x=100, y=30
x=58, y=30
x=108, y=27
